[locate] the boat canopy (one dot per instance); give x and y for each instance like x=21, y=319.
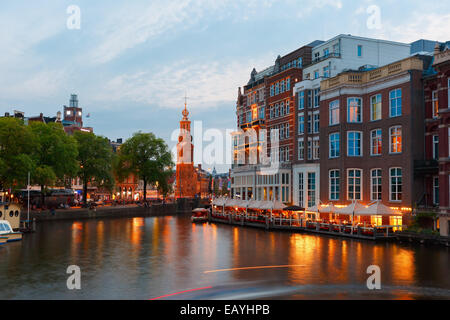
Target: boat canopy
x=5, y=227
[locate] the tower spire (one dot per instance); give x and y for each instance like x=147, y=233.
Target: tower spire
x=185, y=111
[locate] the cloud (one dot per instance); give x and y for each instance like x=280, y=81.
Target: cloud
x=150, y=23
x=207, y=84
x=430, y=26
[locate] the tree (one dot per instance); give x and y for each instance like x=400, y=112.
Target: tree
x=95, y=158
x=164, y=186
x=147, y=157
x=17, y=146
x=56, y=157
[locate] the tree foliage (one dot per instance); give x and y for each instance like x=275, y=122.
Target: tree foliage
x=95, y=159
x=148, y=157
x=17, y=147
x=56, y=157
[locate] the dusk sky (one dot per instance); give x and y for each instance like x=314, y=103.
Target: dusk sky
x=131, y=62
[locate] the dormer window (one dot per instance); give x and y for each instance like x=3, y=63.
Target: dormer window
x=68, y=112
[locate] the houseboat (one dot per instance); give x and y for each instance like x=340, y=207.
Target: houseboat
x=7, y=231
x=10, y=212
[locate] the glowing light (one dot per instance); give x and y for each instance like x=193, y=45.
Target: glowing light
x=252, y=268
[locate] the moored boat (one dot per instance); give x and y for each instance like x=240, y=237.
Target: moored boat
x=199, y=215
x=3, y=240
x=7, y=231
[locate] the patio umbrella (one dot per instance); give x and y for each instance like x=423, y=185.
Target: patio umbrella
x=378, y=209
x=351, y=209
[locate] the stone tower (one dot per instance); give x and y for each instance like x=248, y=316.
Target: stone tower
x=186, y=178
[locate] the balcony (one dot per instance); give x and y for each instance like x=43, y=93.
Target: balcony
x=361, y=77
x=329, y=55
x=426, y=167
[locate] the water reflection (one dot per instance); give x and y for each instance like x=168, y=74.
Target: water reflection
x=141, y=258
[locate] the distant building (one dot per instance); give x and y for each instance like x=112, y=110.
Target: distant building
x=73, y=117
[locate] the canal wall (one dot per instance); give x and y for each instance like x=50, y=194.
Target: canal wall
x=168, y=209
x=106, y=212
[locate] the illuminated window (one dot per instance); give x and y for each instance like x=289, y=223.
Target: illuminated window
x=354, y=143
x=334, y=112
x=395, y=139
x=375, y=107
x=395, y=184
x=334, y=184
x=395, y=103
x=301, y=201
x=435, y=103
x=375, y=184
x=375, y=142
x=311, y=189
x=334, y=145
x=354, y=185
x=68, y=112
x=354, y=110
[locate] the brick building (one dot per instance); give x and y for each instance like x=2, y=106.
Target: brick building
x=435, y=169
x=372, y=134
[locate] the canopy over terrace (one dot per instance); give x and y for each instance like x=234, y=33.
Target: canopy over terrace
x=377, y=209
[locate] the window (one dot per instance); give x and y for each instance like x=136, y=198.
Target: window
x=316, y=152
x=354, y=108
x=277, y=88
x=309, y=123
x=299, y=62
x=288, y=84
x=395, y=103
x=435, y=103
x=271, y=112
x=375, y=184
x=301, y=123
x=354, y=142
x=277, y=110
x=375, y=142
x=311, y=189
x=375, y=107
x=309, y=149
x=436, y=190
x=334, y=149
x=316, y=74
x=354, y=184
x=326, y=71
x=448, y=93
x=287, y=107
x=262, y=112
x=334, y=185
x=281, y=109
x=334, y=112
x=326, y=52
x=436, y=147
x=395, y=139
x=336, y=48
x=301, y=100
x=271, y=90
x=301, y=201
x=359, y=51
x=395, y=184
x=301, y=149
x=282, y=86
x=316, y=98
x=316, y=120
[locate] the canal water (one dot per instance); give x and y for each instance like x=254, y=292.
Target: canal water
x=169, y=257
